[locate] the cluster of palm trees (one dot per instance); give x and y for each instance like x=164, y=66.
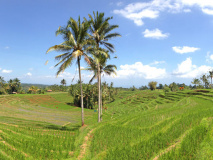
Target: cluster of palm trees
x=89, y=40
x=204, y=79
x=12, y=86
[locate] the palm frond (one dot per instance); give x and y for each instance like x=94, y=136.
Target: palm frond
x=59, y=48
x=87, y=59
x=64, y=59
x=74, y=27
x=64, y=65
x=112, y=35
x=92, y=79
x=110, y=28
x=61, y=56
x=109, y=46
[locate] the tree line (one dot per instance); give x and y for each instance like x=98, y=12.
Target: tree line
x=9, y=87
x=204, y=82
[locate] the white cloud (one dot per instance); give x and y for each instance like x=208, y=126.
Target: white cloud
x=51, y=67
x=141, y=71
x=185, y=67
x=137, y=17
x=207, y=11
x=187, y=70
x=157, y=62
x=0, y=68
x=137, y=12
x=7, y=47
x=187, y=10
x=184, y=49
x=199, y=3
x=119, y=3
x=155, y=34
x=205, y=5
x=65, y=75
x=28, y=74
x=49, y=76
x=6, y=71
x=209, y=57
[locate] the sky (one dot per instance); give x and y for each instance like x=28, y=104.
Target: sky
x=162, y=40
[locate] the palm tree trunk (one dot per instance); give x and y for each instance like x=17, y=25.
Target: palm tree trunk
x=99, y=94
x=101, y=97
x=82, y=103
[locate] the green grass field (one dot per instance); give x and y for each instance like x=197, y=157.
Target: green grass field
x=137, y=125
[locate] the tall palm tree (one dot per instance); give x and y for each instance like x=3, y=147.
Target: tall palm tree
x=75, y=46
x=196, y=82
x=2, y=81
x=63, y=82
x=205, y=80
x=100, y=29
x=104, y=69
x=211, y=76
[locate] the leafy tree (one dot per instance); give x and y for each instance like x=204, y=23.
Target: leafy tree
x=100, y=29
x=33, y=90
x=14, y=85
x=2, y=86
x=143, y=88
x=91, y=94
x=173, y=86
x=2, y=81
x=133, y=88
x=160, y=86
x=166, y=90
x=63, y=82
x=152, y=85
x=75, y=45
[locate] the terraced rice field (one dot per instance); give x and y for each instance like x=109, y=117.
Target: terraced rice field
x=137, y=125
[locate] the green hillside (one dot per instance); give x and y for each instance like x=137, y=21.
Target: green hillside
x=137, y=125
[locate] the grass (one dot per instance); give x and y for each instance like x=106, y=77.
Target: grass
x=137, y=125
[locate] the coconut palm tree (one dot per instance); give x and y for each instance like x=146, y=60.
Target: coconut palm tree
x=101, y=34
x=211, y=76
x=75, y=46
x=205, y=80
x=63, y=82
x=2, y=81
x=196, y=82
x=104, y=69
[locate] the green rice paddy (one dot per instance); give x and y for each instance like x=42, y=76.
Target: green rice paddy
x=137, y=125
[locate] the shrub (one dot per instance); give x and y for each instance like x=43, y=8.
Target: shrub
x=152, y=85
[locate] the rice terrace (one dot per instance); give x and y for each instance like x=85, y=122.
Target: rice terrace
x=137, y=125
x=128, y=81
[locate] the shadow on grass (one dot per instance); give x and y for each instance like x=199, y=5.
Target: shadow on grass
x=63, y=128
x=71, y=104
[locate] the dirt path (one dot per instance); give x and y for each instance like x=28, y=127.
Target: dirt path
x=84, y=145
x=167, y=150
x=172, y=146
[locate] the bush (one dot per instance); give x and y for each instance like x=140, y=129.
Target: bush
x=2, y=91
x=152, y=85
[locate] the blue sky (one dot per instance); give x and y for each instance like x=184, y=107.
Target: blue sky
x=162, y=40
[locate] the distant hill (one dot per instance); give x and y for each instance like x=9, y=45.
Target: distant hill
x=26, y=85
